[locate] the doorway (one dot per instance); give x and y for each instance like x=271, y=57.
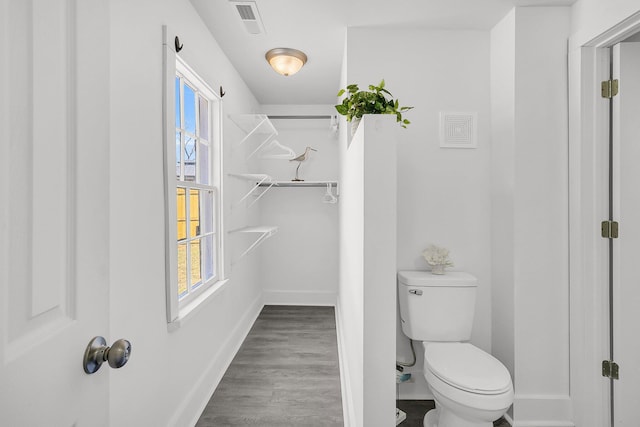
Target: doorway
x=605, y=229
x=623, y=366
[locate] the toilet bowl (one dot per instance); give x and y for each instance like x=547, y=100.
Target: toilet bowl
x=471, y=388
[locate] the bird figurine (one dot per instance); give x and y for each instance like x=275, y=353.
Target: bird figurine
x=301, y=158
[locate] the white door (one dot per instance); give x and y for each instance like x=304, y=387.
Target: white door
x=54, y=147
x=626, y=248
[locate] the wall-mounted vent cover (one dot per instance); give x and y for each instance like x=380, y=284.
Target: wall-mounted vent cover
x=248, y=11
x=458, y=130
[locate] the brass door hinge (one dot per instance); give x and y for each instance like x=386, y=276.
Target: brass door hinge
x=610, y=369
x=609, y=229
x=609, y=88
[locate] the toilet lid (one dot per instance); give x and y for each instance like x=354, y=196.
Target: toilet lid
x=466, y=367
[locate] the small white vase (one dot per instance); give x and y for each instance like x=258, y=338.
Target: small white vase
x=438, y=269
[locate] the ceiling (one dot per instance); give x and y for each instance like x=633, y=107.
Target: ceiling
x=317, y=27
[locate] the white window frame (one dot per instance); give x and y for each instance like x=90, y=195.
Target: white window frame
x=179, y=309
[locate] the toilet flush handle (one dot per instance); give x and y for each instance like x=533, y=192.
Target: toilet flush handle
x=415, y=291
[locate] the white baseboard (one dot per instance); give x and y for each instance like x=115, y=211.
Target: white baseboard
x=299, y=298
x=347, y=397
x=196, y=400
x=542, y=411
x=414, y=395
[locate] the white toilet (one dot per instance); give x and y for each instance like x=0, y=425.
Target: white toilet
x=471, y=388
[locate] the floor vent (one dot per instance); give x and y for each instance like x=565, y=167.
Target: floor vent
x=248, y=11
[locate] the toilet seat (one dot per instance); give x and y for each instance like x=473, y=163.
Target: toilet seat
x=467, y=368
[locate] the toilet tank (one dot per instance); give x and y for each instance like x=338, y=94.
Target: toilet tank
x=437, y=307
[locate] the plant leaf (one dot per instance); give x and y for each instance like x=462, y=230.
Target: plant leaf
x=377, y=100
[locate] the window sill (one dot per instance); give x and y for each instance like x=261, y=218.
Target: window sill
x=188, y=311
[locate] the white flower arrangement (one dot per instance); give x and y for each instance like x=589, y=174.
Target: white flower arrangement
x=436, y=255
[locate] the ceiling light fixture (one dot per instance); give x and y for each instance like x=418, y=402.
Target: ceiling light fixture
x=286, y=61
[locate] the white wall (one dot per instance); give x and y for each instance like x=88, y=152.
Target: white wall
x=530, y=165
x=590, y=18
x=380, y=237
x=299, y=265
x=443, y=194
x=170, y=374
x=366, y=301
x=503, y=51
x=350, y=307
x=541, y=179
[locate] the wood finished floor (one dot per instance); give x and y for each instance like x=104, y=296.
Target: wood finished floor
x=285, y=374
x=415, y=410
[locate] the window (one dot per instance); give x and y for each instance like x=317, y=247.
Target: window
x=192, y=180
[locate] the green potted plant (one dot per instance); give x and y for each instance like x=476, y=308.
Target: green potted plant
x=374, y=101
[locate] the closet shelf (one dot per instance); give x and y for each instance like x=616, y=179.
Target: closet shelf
x=259, y=180
x=258, y=128
x=263, y=231
x=323, y=184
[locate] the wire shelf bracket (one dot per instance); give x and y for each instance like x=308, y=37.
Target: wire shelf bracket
x=258, y=128
x=263, y=232
x=259, y=180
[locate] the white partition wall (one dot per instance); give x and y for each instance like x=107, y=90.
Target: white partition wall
x=367, y=287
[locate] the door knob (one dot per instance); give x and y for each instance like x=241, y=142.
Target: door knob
x=98, y=352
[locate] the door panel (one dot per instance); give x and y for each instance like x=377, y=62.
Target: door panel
x=54, y=210
x=626, y=249
x=40, y=176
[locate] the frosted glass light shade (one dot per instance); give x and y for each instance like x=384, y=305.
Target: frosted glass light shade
x=286, y=61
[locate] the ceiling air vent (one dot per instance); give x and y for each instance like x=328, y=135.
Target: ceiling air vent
x=248, y=11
